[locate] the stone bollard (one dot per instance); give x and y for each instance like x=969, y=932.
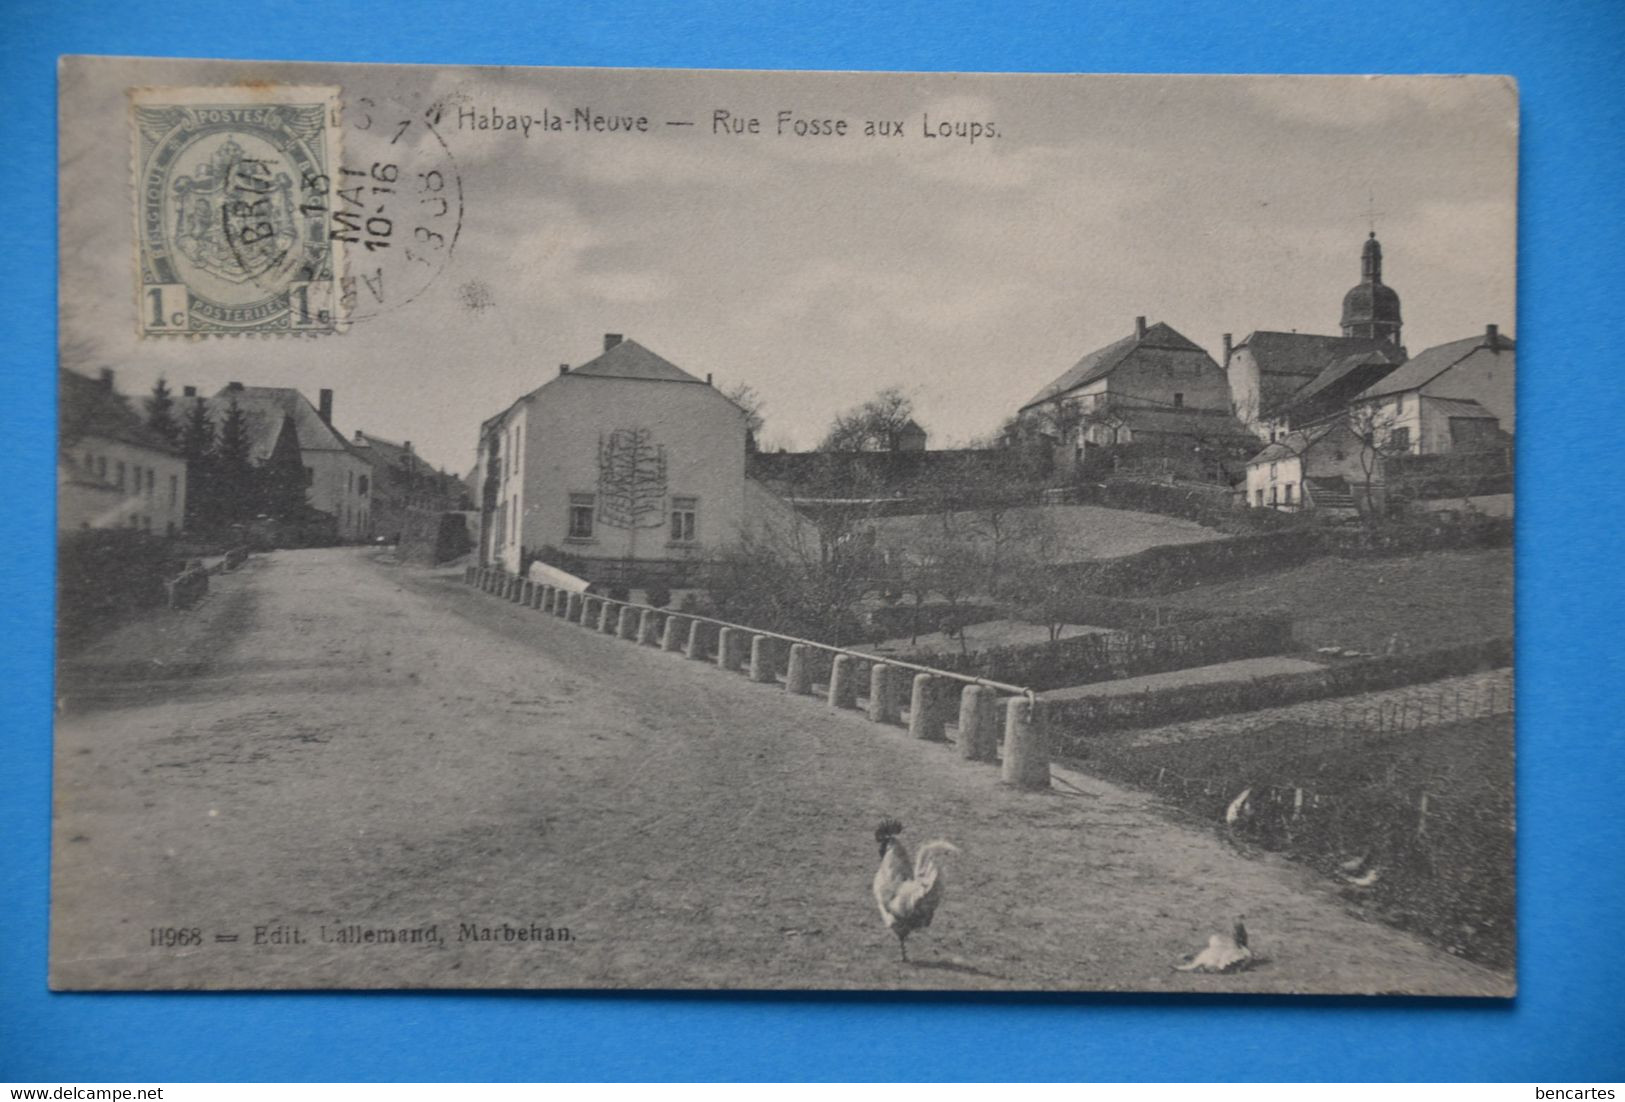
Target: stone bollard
x=626, y=622
x=542, y=598
x=843, y=693
x=696, y=642
x=1026, y=754
x=924, y=713
x=882, y=697
x=647, y=628
x=609, y=617
x=527, y=592
x=763, y=669
x=798, y=671
x=561, y=603
x=572, y=607
x=728, y=649
x=978, y=713
x=673, y=637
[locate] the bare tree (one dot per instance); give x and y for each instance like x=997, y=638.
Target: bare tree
x=631, y=479
x=871, y=427
x=745, y=397
x=1373, y=428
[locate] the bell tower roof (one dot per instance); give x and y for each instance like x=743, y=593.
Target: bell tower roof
x=1371, y=308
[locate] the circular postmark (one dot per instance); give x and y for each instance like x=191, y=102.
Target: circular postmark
x=397, y=206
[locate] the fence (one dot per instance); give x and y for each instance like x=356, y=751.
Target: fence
x=1407, y=805
x=803, y=663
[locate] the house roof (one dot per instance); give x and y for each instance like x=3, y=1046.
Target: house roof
x=1342, y=379
x=267, y=402
x=1298, y=442
x=1429, y=364
x=1462, y=407
x=630, y=360
x=90, y=407
x=1103, y=361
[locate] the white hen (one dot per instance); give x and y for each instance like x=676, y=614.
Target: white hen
x=908, y=892
x=1224, y=953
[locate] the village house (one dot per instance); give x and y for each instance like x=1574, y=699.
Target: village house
x=627, y=464
x=1328, y=468
x=1284, y=381
x=1452, y=398
x=1154, y=388
x=112, y=470
x=337, y=477
x=400, y=481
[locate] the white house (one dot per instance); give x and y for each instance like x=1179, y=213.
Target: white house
x=1455, y=397
x=112, y=470
x=337, y=476
x=627, y=463
x=1325, y=468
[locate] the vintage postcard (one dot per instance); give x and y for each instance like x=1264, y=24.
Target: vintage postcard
x=566, y=528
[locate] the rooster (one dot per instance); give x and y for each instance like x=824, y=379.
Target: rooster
x=1224, y=953
x=908, y=892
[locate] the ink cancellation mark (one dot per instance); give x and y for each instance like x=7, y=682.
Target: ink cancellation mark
x=233, y=198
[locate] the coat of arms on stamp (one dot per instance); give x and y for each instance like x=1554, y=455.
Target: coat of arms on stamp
x=232, y=202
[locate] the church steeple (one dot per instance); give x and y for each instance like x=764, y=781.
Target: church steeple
x=1372, y=309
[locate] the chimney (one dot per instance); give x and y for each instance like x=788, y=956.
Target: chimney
x=1227, y=350
x=324, y=404
x=358, y=436
x=564, y=369
x=188, y=392
x=1492, y=336
x=234, y=386
x=1139, y=328
x=707, y=378
x=107, y=378
x=407, y=446
x=611, y=340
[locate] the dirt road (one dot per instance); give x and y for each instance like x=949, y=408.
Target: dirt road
x=330, y=745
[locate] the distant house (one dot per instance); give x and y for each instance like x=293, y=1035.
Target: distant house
x=1285, y=381
x=112, y=470
x=1154, y=388
x=1452, y=398
x=337, y=478
x=909, y=438
x=401, y=480
x=629, y=464
x=1327, y=468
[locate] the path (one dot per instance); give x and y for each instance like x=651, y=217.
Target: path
x=331, y=742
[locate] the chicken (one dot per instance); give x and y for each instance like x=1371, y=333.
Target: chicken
x=1224, y=953
x=908, y=892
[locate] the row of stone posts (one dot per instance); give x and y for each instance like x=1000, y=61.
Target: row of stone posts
x=1025, y=748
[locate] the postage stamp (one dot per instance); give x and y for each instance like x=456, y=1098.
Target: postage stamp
x=232, y=198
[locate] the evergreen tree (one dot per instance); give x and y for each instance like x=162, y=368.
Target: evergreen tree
x=198, y=445
x=235, y=486
x=161, y=412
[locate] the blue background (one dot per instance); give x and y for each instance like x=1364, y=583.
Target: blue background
x=1569, y=1021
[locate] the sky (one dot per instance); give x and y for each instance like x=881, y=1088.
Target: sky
x=819, y=269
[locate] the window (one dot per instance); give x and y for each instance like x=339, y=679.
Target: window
x=581, y=511
x=361, y=486
x=1272, y=470
x=1400, y=439
x=174, y=488
x=684, y=513
x=152, y=479
x=118, y=479
x=1399, y=403
x=1289, y=493
x=1261, y=498
x=1179, y=400
x=101, y=467
x=1273, y=498
x=513, y=520
x=310, y=476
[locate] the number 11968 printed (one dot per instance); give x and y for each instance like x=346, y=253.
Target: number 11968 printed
x=233, y=189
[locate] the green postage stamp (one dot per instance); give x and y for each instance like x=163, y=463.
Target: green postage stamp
x=232, y=189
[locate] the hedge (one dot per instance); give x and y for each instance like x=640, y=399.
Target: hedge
x=895, y=621
x=103, y=574
x=1106, y=656
x=1076, y=720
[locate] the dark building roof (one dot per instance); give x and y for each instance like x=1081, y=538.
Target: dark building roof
x=628, y=359
x=1371, y=301
x=1430, y=363
x=265, y=405
x=1287, y=362
x=1103, y=361
x=91, y=407
x=1333, y=388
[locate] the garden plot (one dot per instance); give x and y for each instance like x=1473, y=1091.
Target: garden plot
x=989, y=633
x=1242, y=669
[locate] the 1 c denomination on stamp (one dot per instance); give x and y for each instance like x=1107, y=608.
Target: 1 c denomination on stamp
x=233, y=197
